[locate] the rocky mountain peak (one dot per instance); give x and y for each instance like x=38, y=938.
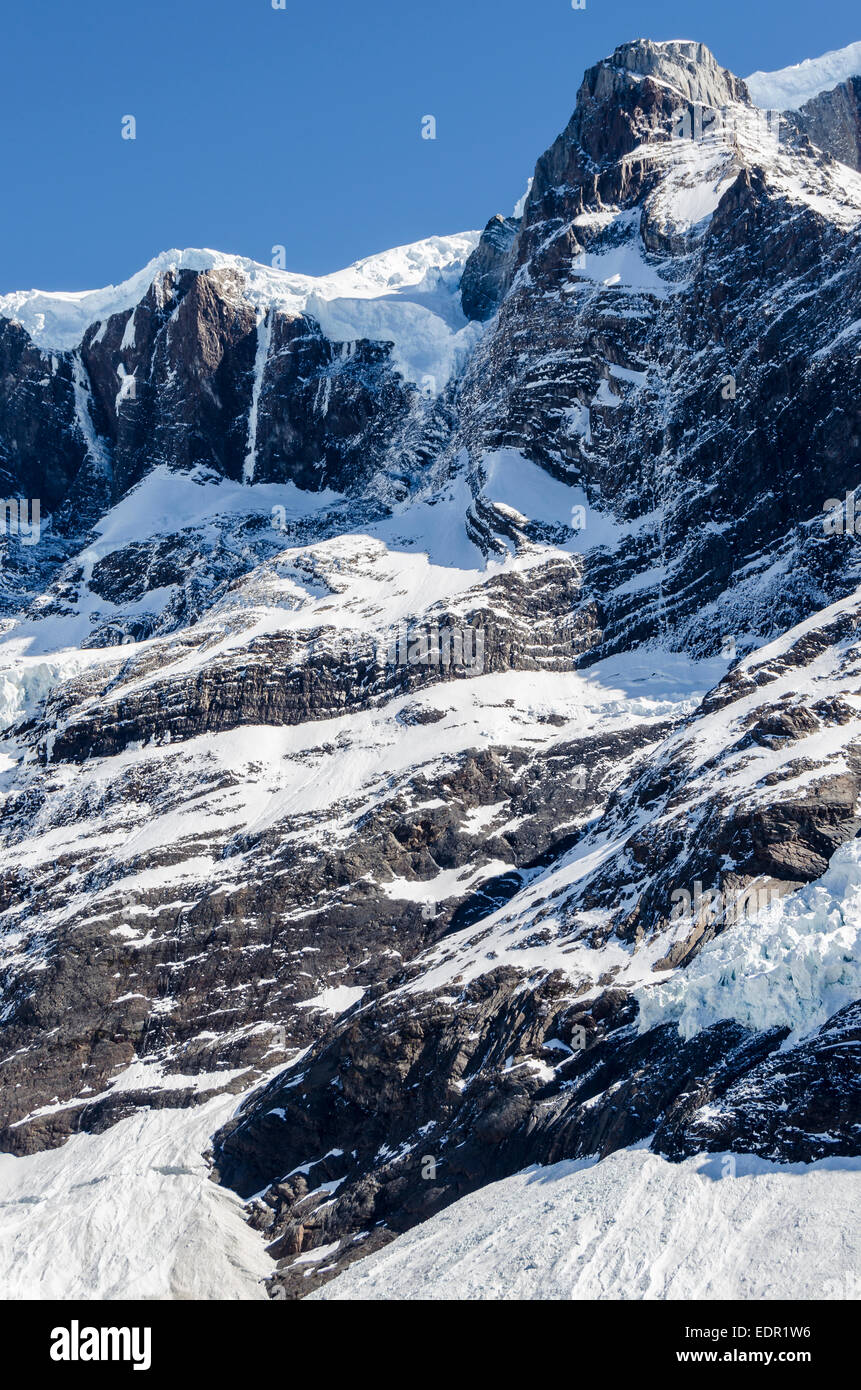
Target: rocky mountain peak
x=688, y=67
x=630, y=101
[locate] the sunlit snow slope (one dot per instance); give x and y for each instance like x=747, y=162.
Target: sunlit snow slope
x=632, y=1227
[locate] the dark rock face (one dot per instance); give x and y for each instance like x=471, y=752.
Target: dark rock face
x=41, y=451
x=238, y=821
x=332, y=411
x=431, y=1117
x=795, y=1106
x=172, y=383
x=208, y=959
x=189, y=350
x=832, y=120
x=487, y=273
x=325, y=413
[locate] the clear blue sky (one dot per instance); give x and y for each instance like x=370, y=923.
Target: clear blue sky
x=301, y=126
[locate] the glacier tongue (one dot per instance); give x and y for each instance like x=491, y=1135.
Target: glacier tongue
x=795, y=963
x=632, y=1226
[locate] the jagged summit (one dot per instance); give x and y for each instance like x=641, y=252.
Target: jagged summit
x=688, y=67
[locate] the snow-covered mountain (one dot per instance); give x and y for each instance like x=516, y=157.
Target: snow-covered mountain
x=821, y=98
x=429, y=704
x=793, y=87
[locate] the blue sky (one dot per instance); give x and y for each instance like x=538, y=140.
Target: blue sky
x=302, y=126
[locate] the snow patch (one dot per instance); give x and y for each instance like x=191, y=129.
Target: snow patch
x=335, y=1000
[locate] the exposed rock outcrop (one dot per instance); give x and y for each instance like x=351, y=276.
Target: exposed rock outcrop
x=487, y=273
